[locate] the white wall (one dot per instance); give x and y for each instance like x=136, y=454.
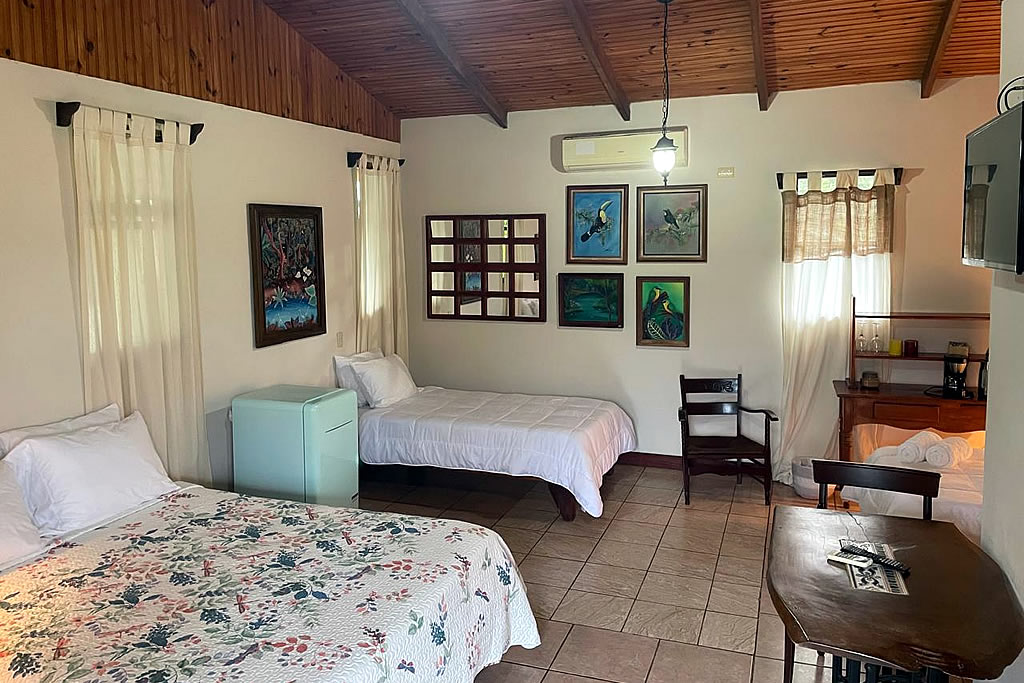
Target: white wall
x=1004, y=456
x=241, y=157
x=466, y=164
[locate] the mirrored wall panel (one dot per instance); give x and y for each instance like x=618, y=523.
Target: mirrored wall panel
x=486, y=267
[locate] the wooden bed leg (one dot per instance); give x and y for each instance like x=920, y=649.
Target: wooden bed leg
x=565, y=501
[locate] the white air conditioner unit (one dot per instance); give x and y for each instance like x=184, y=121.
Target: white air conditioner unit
x=619, y=150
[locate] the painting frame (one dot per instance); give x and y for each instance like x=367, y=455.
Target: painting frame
x=642, y=192
x=573, y=196
x=259, y=216
x=563, y=316
x=641, y=337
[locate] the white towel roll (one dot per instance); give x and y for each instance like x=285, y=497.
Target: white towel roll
x=883, y=452
x=913, y=449
x=948, y=452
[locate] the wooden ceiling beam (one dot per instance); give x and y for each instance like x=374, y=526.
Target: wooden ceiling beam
x=931, y=69
x=764, y=96
x=436, y=38
x=590, y=41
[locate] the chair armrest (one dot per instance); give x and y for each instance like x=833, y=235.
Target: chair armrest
x=682, y=414
x=767, y=413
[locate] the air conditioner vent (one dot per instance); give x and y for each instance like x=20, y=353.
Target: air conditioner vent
x=619, y=150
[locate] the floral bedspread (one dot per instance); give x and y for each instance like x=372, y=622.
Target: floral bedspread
x=213, y=586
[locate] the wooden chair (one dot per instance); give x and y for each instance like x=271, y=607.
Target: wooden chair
x=897, y=479
x=733, y=454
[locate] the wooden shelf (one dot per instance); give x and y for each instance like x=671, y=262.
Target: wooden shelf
x=924, y=316
x=973, y=358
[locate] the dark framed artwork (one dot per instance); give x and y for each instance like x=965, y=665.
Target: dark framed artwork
x=663, y=311
x=286, y=254
x=590, y=299
x=672, y=223
x=595, y=224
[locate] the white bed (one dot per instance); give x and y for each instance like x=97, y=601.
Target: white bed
x=960, y=498
x=566, y=441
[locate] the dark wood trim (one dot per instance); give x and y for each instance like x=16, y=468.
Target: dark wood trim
x=437, y=39
x=897, y=172
x=591, y=43
x=354, y=157
x=660, y=460
x=931, y=69
x=620, y=320
x=764, y=95
x=570, y=222
x=65, y=114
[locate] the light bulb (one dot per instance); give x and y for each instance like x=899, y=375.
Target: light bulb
x=664, y=156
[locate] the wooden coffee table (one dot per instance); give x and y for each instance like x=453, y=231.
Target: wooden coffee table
x=961, y=617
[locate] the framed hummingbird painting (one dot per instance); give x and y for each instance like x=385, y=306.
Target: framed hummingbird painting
x=663, y=311
x=672, y=223
x=286, y=253
x=595, y=224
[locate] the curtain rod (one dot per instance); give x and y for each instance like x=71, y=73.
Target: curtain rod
x=66, y=111
x=354, y=157
x=897, y=172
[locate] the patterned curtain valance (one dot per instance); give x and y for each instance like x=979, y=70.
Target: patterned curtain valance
x=817, y=225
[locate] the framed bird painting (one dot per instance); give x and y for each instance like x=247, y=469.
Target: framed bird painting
x=663, y=311
x=595, y=224
x=672, y=223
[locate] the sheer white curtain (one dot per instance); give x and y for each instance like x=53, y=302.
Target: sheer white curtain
x=137, y=280
x=382, y=319
x=836, y=246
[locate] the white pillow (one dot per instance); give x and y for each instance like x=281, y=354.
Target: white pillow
x=11, y=438
x=19, y=537
x=347, y=378
x=74, y=481
x=386, y=381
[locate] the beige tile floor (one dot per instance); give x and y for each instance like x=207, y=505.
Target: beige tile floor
x=651, y=592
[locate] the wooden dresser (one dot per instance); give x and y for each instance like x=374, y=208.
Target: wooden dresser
x=905, y=406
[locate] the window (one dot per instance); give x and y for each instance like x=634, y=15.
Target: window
x=486, y=267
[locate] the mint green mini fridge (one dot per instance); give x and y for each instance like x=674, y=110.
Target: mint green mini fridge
x=297, y=443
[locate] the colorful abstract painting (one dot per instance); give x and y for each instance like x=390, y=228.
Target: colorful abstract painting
x=286, y=253
x=590, y=299
x=663, y=311
x=596, y=224
x=672, y=223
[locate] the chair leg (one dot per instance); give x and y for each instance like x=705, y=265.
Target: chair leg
x=686, y=481
x=837, y=669
x=788, y=658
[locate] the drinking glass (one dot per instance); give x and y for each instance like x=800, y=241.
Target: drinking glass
x=862, y=342
x=876, y=340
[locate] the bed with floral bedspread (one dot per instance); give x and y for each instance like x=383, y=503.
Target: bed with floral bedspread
x=213, y=586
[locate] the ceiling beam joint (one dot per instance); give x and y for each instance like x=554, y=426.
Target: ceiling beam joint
x=764, y=95
x=931, y=69
x=591, y=43
x=437, y=39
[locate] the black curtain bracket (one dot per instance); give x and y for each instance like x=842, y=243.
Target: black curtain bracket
x=66, y=112
x=897, y=172
x=354, y=157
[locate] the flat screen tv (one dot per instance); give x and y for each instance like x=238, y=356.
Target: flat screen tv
x=994, y=195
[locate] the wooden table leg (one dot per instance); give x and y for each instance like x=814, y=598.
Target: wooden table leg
x=565, y=501
x=788, y=658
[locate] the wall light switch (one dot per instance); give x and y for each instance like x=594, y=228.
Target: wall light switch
x=341, y=339
x=726, y=171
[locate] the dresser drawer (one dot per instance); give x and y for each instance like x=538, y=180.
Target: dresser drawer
x=911, y=414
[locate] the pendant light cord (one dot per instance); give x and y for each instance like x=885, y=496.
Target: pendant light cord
x=664, y=54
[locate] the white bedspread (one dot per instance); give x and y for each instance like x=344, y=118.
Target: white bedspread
x=567, y=441
x=960, y=494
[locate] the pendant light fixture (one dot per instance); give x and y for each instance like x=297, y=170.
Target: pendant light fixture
x=664, y=153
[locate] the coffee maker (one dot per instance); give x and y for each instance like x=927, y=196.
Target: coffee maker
x=954, y=375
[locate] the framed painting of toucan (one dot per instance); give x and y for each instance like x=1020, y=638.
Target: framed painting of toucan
x=663, y=311
x=595, y=224
x=672, y=223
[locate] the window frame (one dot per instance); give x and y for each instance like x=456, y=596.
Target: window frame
x=511, y=267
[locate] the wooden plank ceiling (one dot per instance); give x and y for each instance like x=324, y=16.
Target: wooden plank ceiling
x=527, y=54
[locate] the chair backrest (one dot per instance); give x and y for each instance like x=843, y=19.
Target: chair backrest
x=898, y=479
x=726, y=386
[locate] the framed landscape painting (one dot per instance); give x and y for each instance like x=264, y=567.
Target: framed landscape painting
x=286, y=254
x=663, y=311
x=672, y=223
x=590, y=299
x=595, y=223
